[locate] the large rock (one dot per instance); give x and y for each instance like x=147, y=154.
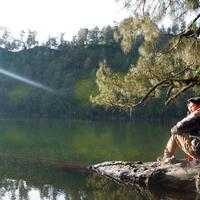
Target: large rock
x=176, y=175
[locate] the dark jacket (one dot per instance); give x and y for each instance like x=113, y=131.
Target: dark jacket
x=189, y=125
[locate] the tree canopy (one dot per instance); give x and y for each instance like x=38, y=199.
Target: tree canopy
x=169, y=61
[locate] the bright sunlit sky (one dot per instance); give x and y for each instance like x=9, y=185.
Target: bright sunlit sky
x=52, y=17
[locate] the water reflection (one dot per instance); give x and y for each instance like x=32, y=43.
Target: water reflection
x=31, y=181
x=104, y=188
x=26, y=180
x=83, y=142
x=24, y=143
x=19, y=189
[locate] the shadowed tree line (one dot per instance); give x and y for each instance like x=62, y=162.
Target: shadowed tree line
x=72, y=69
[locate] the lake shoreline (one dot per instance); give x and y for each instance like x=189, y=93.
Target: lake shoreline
x=159, y=119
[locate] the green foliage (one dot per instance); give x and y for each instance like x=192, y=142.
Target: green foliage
x=82, y=90
x=18, y=92
x=198, y=70
x=166, y=63
x=192, y=4
x=82, y=36
x=109, y=86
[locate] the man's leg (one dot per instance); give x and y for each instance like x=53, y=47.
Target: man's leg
x=171, y=146
x=183, y=142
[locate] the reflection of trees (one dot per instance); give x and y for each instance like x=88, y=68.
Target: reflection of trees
x=23, y=179
x=95, y=142
x=83, y=142
x=20, y=190
x=23, y=189
x=53, y=183
x=15, y=189
x=103, y=188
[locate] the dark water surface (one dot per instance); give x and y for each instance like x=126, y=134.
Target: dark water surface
x=33, y=154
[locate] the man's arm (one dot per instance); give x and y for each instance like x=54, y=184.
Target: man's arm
x=187, y=124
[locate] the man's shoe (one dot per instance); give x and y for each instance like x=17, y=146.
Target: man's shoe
x=194, y=162
x=160, y=158
x=167, y=160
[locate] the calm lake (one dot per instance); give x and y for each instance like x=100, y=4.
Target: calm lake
x=33, y=154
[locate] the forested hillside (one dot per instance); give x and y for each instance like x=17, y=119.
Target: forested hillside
x=69, y=68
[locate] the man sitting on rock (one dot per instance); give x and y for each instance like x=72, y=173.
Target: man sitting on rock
x=185, y=134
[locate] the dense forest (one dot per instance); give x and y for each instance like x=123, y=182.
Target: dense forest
x=70, y=68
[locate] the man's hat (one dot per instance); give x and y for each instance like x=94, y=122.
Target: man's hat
x=195, y=100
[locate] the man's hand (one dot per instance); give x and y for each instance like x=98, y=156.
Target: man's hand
x=174, y=130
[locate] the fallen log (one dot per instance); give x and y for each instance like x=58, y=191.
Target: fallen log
x=45, y=162
x=179, y=175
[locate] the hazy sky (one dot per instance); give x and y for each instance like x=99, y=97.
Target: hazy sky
x=51, y=17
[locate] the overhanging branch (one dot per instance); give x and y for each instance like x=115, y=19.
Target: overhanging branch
x=189, y=83
x=179, y=93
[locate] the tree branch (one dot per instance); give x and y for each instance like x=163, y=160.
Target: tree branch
x=180, y=92
x=188, y=32
x=194, y=20
x=150, y=91
x=169, y=91
x=190, y=82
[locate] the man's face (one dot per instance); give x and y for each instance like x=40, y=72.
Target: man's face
x=192, y=106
